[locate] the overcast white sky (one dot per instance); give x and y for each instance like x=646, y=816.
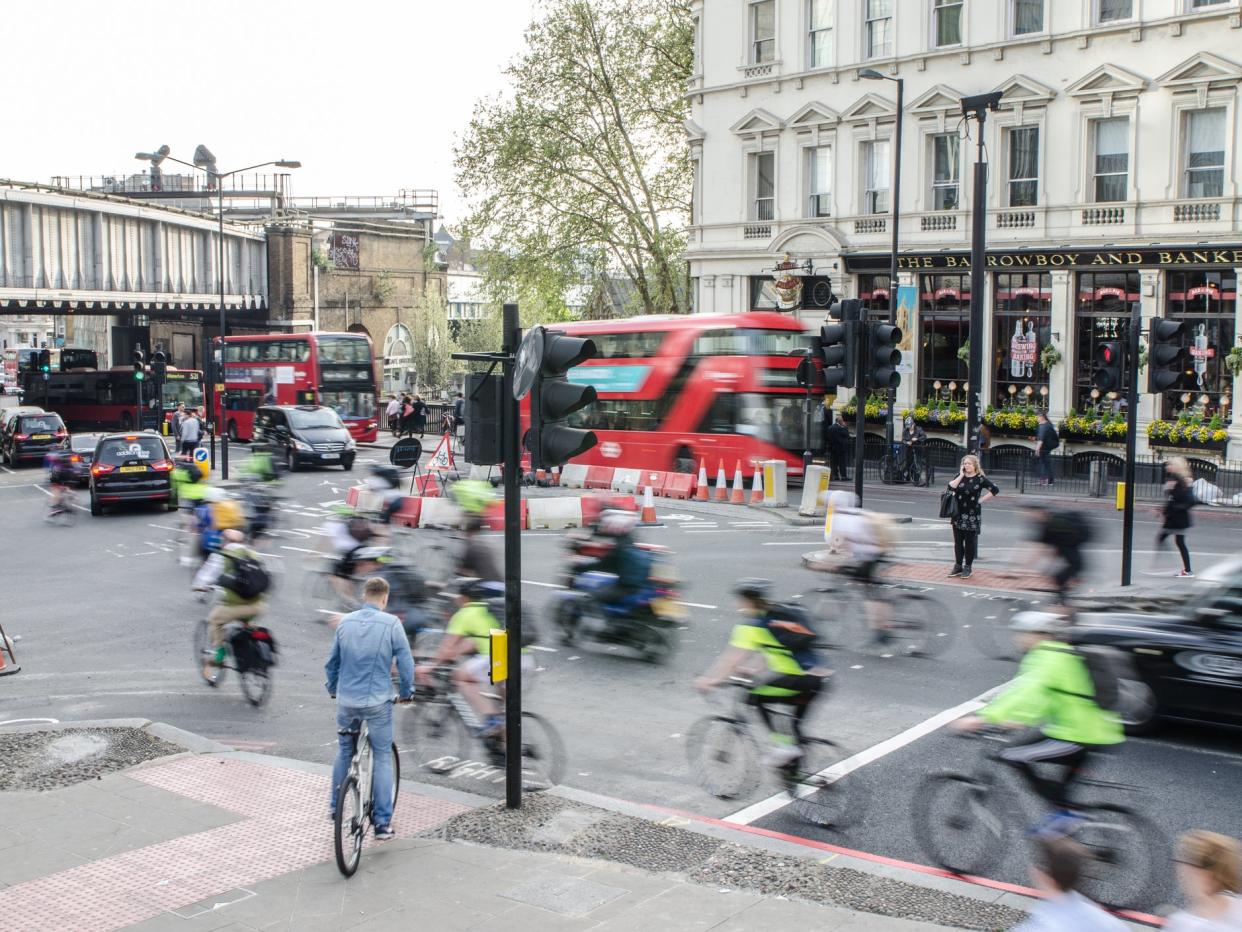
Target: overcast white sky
x=367, y=94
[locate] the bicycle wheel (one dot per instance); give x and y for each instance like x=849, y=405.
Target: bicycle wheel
x=1127, y=858
x=722, y=756
x=396, y=775
x=922, y=625
x=543, y=754
x=955, y=824
x=887, y=475
x=256, y=685
x=820, y=797
x=842, y=615
x=202, y=649
x=438, y=735
x=349, y=826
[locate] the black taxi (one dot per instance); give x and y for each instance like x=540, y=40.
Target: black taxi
x=1187, y=658
x=131, y=468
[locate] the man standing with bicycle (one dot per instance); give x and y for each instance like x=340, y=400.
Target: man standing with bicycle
x=1054, y=692
x=359, y=669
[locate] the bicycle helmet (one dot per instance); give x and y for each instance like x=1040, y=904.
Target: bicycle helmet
x=615, y=523
x=1038, y=623
x=753, y=588
x=473, y=495
x=372, y=555
x=390, y=476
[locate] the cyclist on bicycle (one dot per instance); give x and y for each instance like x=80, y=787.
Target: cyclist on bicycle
x=348, y=533
x=385, y=481
x=778, y=638
x=867, y=537
x=59, y=478
x=233, y=568
x=407, y=590
x=1061, y=535
x=1054, y=693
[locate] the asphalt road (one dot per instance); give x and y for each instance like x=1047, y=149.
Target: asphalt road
x=105, y=615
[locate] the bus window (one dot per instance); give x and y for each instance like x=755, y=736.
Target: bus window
x=721, y=416
x=777, y=419
x=344, y=350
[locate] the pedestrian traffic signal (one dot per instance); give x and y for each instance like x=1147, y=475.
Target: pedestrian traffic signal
x=45, y=361
x=1107, y=374
x=140, y=371
x=553, y=397
x=837, y=349
x=159, y=366
x=883, y=357
x=1165, y=354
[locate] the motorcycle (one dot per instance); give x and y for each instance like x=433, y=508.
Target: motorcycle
x=646, y=621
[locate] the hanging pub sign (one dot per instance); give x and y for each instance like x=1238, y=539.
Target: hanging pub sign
x=788, y=284
x=1069, y=258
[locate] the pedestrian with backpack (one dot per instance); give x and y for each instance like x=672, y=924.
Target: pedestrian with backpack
x=1062, y=534
x=1179, y=499
x=1069, y=696
x=1046, y=440
x=779, y=640
x=239, y=572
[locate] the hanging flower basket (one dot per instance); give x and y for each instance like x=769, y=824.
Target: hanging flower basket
x=1189, y=435
x=1011, y=422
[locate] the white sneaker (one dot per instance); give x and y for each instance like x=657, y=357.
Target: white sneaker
x=779, y=755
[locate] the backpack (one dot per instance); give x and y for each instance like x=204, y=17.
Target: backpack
x=1053, y=438
x=792, y=628
x=1106, y=668
x=1068, y=529
x=246, y=577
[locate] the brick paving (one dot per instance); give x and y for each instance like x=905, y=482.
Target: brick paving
x=980, y=578
x=285, y=829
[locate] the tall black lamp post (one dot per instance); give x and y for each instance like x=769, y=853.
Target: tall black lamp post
x=870, y=74
x=204, y=160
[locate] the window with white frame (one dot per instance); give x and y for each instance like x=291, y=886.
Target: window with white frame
x=696, y=195
x=819, y=181
x=1111, y=158
x=819, y=33
x=947, y=22
x=1203, y=135
x=1026, y=17
x=1192, y=5
x=945, y=172
x=878, y=29
x=697, y=48
x=1023, y=183
x=762, y=31
x=876, y=176
x=762, y=185
x=1113, y=11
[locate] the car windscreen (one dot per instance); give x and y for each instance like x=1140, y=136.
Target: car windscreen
x=40, y=424
x=83, y=443
x=321, y=417
x=131, y=449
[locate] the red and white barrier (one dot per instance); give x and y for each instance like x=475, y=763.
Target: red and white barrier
x=574, y=476
x=627, y=480
x=599, y=477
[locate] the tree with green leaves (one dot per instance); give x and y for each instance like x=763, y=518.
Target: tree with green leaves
x=582, y=173
x=433, y=347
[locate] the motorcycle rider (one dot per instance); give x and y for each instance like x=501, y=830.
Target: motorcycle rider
x=623, y=559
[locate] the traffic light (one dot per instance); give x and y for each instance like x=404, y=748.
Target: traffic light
x=1164, y=354
x=837, y=349
x=45, y=361
x=1107, y=374
x=140, y=371
x=883, y=357
x=159, y=366
x=553, y=398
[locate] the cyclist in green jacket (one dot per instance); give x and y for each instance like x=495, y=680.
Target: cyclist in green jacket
x=1054, y=693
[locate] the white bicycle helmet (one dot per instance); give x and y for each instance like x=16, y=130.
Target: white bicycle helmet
x=615, y=522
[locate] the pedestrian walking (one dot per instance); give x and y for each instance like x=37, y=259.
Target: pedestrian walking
x=393, y=414
x=191, y=433
x=365, y=646
x=1209, y=872
x=971, y=488
x=177, y=418
x=1056, y=870
x=1179, y=499
x=838, y=448
x=418, y=411
x=1046, y=440
x=459, y=416
x=407, y=414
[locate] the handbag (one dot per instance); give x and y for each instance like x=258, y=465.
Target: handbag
x=948, y=504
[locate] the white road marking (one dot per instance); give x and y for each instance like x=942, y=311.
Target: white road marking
x=697, y=605
x=299, y=549
x=550, y=650
x=164, y=527
x=31, y=721
x=545, y=585
x=787, y=543
x=9, y=471
x=770, y=805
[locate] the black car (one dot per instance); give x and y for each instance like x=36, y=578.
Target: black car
x=81, y=454
x=1187, y=659
x=131, y=468
x=30, y=437
x=305, y=435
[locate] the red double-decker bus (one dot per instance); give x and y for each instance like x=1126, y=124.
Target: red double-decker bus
x=677, y=389
x=336, y=370
x=107, y=399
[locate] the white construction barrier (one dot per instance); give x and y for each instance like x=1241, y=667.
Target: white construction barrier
x=573, y=476
x=815, y=490
x=439, y=511
x=775, y=490
x=627, y=480
x=553, y=514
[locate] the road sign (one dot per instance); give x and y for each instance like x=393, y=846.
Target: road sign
x=405, y=453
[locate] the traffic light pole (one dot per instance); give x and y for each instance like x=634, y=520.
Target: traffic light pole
x=860, y=402
x=138, y=385
x=511, y=434
x=978, y=234
x=1132, y=397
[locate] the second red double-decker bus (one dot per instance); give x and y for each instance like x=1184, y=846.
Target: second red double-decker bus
x=674, y=390
x=331, y=369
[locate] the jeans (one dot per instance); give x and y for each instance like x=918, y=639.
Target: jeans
x=379, y=721
x=965, y=546
x=1043, y=467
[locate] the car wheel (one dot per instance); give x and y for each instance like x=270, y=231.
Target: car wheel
x=96, y=508
x=348, y=463
x=1137, y=707
x=291, y=461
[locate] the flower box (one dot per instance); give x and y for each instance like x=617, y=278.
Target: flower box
x=1211, y=446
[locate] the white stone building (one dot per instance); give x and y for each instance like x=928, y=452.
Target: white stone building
x=1113, y=178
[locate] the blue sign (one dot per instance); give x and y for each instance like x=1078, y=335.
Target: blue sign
x=610, y=378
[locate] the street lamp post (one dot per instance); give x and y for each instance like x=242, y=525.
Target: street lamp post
x=871, y=74
x=218, y=366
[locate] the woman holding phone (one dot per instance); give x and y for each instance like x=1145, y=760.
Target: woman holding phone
x=971, y=488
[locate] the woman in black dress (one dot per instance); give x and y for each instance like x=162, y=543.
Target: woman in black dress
x=971, y=488
x=1179, y=499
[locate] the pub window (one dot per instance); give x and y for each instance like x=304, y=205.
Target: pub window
x=1023, y=142
x=873, y=292
x=944, y=326
x=1203, y=135
x=876, y=176
x=1022, y=305
x=1105, y=301
x=763, y=296
x=819, y=181
x=945, y=178
x=1112, y=158
x=762, y=185
x=1206, y=303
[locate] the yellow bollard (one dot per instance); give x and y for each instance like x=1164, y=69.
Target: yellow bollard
x=1121, y=496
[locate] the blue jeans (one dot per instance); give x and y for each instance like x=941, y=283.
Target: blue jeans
x=379, y=723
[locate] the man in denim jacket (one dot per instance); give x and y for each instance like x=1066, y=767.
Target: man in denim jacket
x=360, y=679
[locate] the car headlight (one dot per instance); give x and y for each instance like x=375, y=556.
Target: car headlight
x=350, y=445
x=303, y=446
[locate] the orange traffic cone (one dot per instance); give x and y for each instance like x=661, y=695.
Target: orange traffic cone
x=701, y=495
x=541, y=477
x=756, y=488
x=738, y=495
x=6, y=647
x=556, y=476
x=722, y=484
x=647, y=517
